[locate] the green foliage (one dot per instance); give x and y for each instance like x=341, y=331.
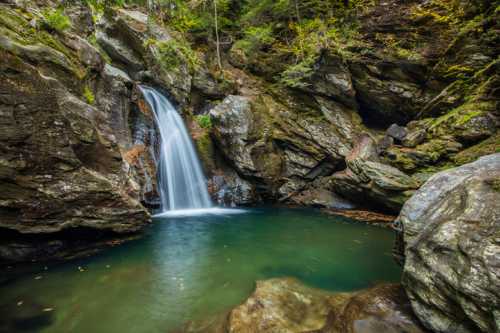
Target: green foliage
x=295, y=75
x=56, y=20
x=255, y=39
x=204, y=121
x=89, y=95
x=297, y=31
x=445, y=12
x=196, y=16
x=172, y=52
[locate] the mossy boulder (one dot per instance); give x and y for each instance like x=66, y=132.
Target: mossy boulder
x=450, y=231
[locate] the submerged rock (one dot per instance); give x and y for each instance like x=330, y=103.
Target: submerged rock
x=450, y=229
x=286, y=305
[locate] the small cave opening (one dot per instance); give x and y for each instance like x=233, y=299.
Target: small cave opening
x=378, y=119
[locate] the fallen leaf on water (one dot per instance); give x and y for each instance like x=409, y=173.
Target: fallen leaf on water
x=20, y=303
x=48, y=309
x=38, y=277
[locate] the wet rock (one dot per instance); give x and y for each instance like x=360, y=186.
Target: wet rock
x=373, y=218
x=364, y=150
x=450, y=228
x=230, y=190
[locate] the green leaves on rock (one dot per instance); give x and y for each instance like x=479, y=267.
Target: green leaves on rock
x=56, y=20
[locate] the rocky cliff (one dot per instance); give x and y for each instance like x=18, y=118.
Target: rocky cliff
x=416, y=81
x=76, y=145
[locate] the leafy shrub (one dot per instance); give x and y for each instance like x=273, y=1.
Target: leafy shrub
x=256, y=38
x=171, y=52
x=295, y=75
x=204, y=121
x=56, y=20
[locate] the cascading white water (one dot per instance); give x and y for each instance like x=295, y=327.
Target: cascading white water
x=181, y=182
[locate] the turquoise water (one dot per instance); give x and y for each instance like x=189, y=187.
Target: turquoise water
x=192, y=268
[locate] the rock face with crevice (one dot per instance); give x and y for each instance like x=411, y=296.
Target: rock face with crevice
x=452, y=254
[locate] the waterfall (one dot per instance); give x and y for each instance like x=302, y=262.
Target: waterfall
x=181, y=183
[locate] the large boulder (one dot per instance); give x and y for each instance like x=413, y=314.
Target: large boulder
x=451, y=231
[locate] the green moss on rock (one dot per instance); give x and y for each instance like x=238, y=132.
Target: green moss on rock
x=488, y=146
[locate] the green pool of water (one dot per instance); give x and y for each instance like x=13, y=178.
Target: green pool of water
x=191, y=268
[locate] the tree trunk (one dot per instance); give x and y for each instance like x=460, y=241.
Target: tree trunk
x=217, y=36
